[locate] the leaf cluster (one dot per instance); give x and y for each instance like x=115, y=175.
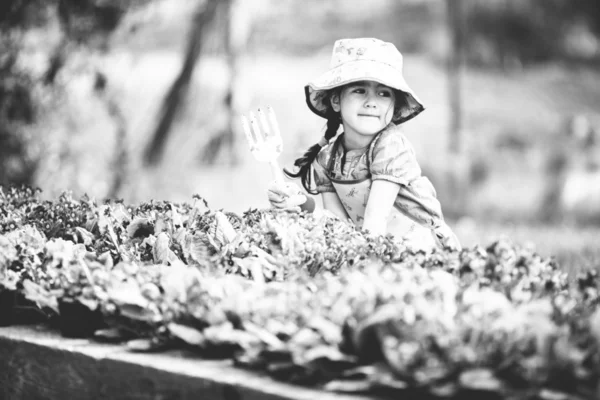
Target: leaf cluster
x=312, y=301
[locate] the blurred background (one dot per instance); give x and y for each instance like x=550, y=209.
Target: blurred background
x=140, y=100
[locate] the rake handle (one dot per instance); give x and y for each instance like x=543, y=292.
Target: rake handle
x=309, y=205
x=277, y=171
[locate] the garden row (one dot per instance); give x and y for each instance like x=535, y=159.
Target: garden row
x=309, y=300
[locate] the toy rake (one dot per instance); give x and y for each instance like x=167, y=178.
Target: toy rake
x=262, y=131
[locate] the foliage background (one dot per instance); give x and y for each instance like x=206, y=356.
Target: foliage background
x=83, y=87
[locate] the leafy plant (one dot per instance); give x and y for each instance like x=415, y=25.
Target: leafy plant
x=312, y=301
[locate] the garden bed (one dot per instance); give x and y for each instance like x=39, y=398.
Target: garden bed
x=36, y=362
x=306, y=300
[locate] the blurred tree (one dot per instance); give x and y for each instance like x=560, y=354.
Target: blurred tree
x=572, y=170
x=17, y=105
x=204, y=15
x=512, y=33
x=574, y=11
x=17, y=166
x=235, y=25
x=456, y=26
x=84, y=25
x=458, y=173
x=88, y=24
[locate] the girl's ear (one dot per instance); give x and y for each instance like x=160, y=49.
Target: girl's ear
x=335, y=102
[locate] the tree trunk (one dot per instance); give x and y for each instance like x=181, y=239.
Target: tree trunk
x=236, y=30
x=458, y=162
x=120, y=153
x=174, y=98
x=455, y=65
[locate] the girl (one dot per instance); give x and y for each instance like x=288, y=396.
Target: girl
x=369, y=173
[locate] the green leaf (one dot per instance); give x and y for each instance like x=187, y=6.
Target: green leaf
x=9, y=279
x=139, y=227
x=481, y=379
x=28, y=235
x=161, y=251
x=104, y=224
x=143, y=314
x=444, y=390
x=180, y=237
x=252, y=264
x=128, y=292
x=343, y=386
x=199, y=248
x=106, y=259
x=111, y=335
x=120, y=213
x=595, y=324
x=162, y=225
x=36, y=293
x=188, y=334
x=549, y=394
x=8, y=253
x=146, y=345
x=306, y=337
x=176, y=281
x=224, y=333
x=328, y=360
x=224, y=231
x=92, y=304
x=366, y=336
x=330, y=331
x=389, y=381
x=199, y=208
x=263, y=335
x=84, y=236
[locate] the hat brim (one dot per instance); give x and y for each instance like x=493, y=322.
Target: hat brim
x=361, y=70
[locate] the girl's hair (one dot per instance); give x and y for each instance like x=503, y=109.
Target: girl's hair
x=334, y=120
x=304, y=163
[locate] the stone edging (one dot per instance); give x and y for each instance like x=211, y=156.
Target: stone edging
x=37, y=363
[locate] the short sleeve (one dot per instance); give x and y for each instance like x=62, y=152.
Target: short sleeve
x=321, y=179
x=393, y=158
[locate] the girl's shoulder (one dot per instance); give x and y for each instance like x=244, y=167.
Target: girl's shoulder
x=392, y=137
x=393, y=158
x=325, y=154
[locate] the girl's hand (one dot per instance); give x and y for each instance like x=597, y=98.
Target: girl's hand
x=286, y=196
x=447, y=237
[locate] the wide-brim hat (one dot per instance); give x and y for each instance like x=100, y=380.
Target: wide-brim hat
x=363, y=59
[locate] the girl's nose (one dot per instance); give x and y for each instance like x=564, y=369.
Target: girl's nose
x=370, y=101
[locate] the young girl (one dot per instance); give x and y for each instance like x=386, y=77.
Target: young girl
x=368, y=173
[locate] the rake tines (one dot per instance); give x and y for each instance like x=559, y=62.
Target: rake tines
x=262, y=132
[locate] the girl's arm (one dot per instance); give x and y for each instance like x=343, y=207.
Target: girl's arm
x=380, y=203
x=331, y=202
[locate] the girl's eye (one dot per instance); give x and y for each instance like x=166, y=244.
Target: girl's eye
x=385, y=93
x=359, y=90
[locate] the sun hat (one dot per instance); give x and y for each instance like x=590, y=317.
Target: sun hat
x=361, y=59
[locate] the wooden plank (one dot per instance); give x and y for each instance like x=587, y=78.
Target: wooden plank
x=36, y=363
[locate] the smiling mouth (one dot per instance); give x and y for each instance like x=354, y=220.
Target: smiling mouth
x=368, y=115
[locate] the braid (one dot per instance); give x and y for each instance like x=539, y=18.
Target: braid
x=304, y=163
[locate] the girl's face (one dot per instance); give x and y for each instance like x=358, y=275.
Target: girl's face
x=366, y=108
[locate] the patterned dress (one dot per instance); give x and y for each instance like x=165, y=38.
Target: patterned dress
x=390, y=157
